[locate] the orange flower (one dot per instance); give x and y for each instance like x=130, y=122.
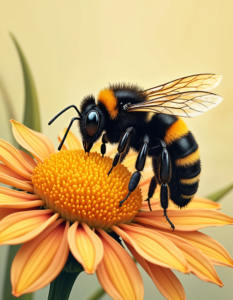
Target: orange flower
x=68, y=202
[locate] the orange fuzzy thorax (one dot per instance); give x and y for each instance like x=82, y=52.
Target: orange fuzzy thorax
x=110, y=102
x=76, y=185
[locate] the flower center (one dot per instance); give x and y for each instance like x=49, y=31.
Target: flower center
x=76, y=185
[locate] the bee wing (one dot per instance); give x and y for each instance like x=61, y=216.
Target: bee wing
x=199, y=82
x=185, y=104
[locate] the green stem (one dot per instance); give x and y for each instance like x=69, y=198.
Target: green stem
x=97, y=294
x=61, y=287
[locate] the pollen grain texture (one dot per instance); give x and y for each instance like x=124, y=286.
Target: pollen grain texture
x=76, y=185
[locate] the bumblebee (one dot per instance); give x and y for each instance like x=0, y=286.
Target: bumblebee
x=148, y=121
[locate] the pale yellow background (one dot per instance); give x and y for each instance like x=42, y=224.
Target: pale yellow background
x=77, y=47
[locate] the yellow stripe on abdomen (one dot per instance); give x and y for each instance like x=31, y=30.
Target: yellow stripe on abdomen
x=189, y=160
x=190, y=181
x=176, y=131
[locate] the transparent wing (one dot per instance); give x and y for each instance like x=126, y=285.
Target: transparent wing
x=199, y=82
x=186, y=104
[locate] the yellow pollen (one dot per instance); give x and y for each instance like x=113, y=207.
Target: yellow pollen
x=76, y=185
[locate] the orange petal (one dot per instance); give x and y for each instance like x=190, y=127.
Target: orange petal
x=117, y=272
x=198, y=203
x=7, y=201
x=71, y=142
x=40, y=261
x=23, y=226
x=184, y=220
x=18, y=194
x=217, y=254
x=4, y=212
x=153, y=247
x=36, y=143
x=7, y=171
x=86, y=246
x=13, y=164
x=198, y=263
x=11, y=157
x=31, y=162
x=165, y=280
x=9, y=177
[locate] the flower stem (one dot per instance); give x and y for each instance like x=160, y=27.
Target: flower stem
x=97, y=294
x=61, y=287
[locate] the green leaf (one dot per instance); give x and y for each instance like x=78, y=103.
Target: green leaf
x=221, y=193
x=97, y=294
x=10, y=112
x=31, y=109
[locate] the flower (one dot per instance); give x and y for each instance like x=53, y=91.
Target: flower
x=80, y=210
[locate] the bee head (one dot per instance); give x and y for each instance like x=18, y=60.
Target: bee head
x=92, y=122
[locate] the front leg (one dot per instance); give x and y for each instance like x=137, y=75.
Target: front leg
x=103, y=145
x=123, y=147
x=140, y=163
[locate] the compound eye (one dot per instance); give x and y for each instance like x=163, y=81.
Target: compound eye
x=92, y=122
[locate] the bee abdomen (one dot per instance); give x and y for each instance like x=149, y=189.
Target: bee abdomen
x=186, y=167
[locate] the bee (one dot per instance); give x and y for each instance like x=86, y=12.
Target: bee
x=149, y=121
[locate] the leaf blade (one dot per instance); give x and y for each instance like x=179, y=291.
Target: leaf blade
x=31, y=110
x=216, y=196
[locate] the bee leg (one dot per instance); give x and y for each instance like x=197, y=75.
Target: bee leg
x=140, y=163
x=165, y=176
x=122, y=148
x=151, y=191
x=103, y=146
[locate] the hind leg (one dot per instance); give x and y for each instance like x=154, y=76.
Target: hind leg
x=162, y=168
x=152, y=187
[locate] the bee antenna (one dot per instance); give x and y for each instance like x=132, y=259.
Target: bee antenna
x=61, y=112
x=64, y=137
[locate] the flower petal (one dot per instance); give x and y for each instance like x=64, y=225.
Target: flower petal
x=153, y=247
x=86, y=246
x=30, y=161
x=117, y=272
x=24, y=226
x=36, y=143
x=165, y=280
x=184, y=220
x=7, y=201
x=71, y=141
x=40, y=261
x=18, y=194
x=4, y=212
x=9, y=177
x=5, y=170
x=11, y=157
x=196, y=203
x=199, y=264
x=217, y=254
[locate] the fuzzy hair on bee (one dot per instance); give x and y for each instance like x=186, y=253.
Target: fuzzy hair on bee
x=149, y=121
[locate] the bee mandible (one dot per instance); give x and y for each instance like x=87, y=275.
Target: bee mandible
x=148, y=121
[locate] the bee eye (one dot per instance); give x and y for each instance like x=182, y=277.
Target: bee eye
x=92, y=122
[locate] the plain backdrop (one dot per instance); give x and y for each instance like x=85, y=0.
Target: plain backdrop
x=75, y=48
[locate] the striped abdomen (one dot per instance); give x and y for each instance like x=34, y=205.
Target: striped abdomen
x=185, y=159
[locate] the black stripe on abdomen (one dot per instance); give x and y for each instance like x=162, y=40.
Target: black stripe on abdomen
x=183, y=147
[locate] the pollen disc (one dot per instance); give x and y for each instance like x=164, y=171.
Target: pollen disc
x=76, y=185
